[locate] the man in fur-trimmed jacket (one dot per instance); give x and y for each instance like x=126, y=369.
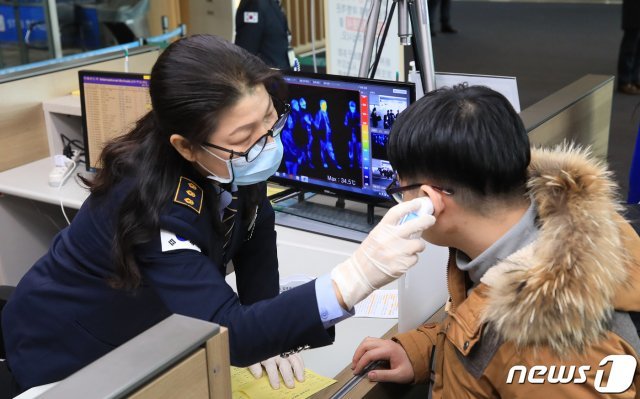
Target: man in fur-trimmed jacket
x=542, y=268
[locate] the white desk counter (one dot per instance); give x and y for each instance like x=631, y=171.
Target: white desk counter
x=31, y=181
x=30, y=215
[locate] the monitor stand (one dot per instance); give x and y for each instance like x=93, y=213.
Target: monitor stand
x=370, y=210
x=310, y=206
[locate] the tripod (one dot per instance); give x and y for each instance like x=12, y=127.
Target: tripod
x=417, y=12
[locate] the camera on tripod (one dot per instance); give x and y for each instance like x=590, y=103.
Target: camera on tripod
x=409, y=11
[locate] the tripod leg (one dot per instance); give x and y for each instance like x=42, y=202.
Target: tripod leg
x=421, y=43
x=369, y=38
x=384, y=37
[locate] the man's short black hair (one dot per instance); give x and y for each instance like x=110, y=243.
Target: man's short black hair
x=466, y=137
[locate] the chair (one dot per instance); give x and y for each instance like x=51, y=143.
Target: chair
x=5, y=293
x=124, y=20
x=7, y=384
x=177, y=358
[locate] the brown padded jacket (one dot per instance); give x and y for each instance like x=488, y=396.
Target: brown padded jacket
x=541, y=322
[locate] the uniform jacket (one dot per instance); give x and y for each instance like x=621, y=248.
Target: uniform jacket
x=63, y=314
x=630, y=14
x=560, y=301
x=262, y=29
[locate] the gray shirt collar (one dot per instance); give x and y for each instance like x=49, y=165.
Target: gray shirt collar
x=520, y=235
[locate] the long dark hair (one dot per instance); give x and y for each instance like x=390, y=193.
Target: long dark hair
x=192, y=83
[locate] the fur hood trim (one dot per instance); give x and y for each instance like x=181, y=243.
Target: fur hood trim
x=559, y=290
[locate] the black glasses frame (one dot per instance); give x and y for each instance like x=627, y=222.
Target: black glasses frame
x=395, y=191
x=274, y=132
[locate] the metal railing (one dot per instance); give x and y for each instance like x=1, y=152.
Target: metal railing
x=306, y=22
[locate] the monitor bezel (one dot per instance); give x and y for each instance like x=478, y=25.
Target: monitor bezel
x=85, y=132
x=317, y=188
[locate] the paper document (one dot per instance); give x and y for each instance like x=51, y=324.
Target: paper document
x=381, y=304
x=245, y=386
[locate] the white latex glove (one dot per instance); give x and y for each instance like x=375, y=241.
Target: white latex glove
x=385, y=255
x=288, y=367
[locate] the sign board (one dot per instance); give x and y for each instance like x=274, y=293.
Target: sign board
x=505, y=85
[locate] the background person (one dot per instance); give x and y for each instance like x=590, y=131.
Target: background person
x=262, y=29
x=375, y=117
x=445, y=16
x=629, y=55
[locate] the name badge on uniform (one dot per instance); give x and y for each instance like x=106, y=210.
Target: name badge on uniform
x=173, y=242
x=250, y=17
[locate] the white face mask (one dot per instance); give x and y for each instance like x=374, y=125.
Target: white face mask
x=245, y=173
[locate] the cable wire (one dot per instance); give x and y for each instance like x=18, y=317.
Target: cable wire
x=64, y=178
x=379, y=34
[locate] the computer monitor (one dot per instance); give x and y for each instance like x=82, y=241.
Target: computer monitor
x=111, y=104
x=336, y=137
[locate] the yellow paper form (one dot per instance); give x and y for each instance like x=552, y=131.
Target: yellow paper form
x=381, y=304
x=245, y=386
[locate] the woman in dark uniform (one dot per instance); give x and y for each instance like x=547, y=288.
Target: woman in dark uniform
x=177, y=198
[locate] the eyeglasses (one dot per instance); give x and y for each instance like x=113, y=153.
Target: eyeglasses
x=256, y=148
x=395, y=190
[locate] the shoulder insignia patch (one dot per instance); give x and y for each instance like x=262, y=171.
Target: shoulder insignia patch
x=189, y=194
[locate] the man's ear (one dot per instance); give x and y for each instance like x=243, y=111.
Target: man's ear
x=183, y=146
x=436, y=198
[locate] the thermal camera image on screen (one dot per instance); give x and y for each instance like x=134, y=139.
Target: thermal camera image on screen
x=383, y=111
x=321, y=138
x=335, y=137
x=380, y=166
